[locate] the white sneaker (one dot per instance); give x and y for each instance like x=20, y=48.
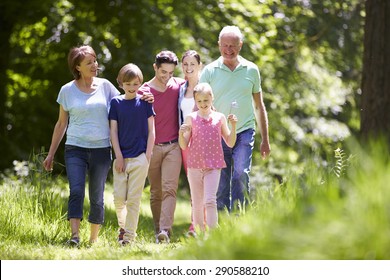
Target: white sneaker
x=163, y=236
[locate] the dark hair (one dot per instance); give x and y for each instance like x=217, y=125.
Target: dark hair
x=76, y=55
x=191, y=53
x=166, y=57
x=128, y=73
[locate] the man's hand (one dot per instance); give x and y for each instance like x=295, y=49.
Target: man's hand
x=148, y=97
x=265, y=149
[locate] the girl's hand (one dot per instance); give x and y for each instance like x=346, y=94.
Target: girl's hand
x=185, y=128
x=232, y=119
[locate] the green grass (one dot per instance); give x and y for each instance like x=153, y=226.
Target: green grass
x=335, y=212
x=35, y=226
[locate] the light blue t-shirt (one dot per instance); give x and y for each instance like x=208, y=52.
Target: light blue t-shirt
x=235, y=87
x=88, y=114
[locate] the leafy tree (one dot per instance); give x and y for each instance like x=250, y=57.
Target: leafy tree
x=13, y=14
x=312, y=76
x=309, y=54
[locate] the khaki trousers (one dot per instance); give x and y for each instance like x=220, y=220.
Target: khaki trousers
x=128, y=187
x=164, y=171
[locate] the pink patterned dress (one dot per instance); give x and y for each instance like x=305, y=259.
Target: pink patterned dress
x=205, y=148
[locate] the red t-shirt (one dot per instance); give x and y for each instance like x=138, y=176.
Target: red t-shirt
x=165, y=106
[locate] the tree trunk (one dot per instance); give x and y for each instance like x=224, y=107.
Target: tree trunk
x=375, y=107
x=5, y=34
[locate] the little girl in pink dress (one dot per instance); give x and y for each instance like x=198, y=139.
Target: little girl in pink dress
x=201, y=134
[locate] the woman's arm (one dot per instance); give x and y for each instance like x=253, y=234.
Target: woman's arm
x=58, y=134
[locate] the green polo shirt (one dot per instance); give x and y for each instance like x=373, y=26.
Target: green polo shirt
x=234, y=86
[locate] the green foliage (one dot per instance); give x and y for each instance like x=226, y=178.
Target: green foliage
x=309, y=54
x=315, y=214
x=32, y=207
x=341, y=162
x=35, y=226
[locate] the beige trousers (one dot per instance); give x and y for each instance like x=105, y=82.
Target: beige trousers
x=164, y=171
x=128, y=187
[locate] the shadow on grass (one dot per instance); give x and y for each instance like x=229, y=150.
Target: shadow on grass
x=109, y=230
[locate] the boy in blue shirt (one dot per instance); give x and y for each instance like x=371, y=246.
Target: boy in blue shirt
x=132, y=135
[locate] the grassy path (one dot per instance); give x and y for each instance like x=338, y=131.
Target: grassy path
x=318, y=214
x=46, y=239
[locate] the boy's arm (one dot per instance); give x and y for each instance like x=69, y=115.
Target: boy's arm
x=119, y=163
x=151, y=138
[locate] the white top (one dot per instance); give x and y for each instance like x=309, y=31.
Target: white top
x=187, y=106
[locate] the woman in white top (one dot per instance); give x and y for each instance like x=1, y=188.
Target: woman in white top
x=191, y=65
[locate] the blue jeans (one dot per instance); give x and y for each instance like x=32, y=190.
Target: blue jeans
x=80, y=162
x=234, y=183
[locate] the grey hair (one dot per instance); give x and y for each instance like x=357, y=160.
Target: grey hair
x=231, y=29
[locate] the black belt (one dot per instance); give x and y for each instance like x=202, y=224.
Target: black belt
x=167, y=143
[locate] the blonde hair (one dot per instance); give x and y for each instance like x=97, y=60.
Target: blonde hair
x=203, y=88
x=128, y=73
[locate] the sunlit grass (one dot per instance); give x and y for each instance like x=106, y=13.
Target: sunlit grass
x=311, y=216
x=320, y=213
x=34, y=225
